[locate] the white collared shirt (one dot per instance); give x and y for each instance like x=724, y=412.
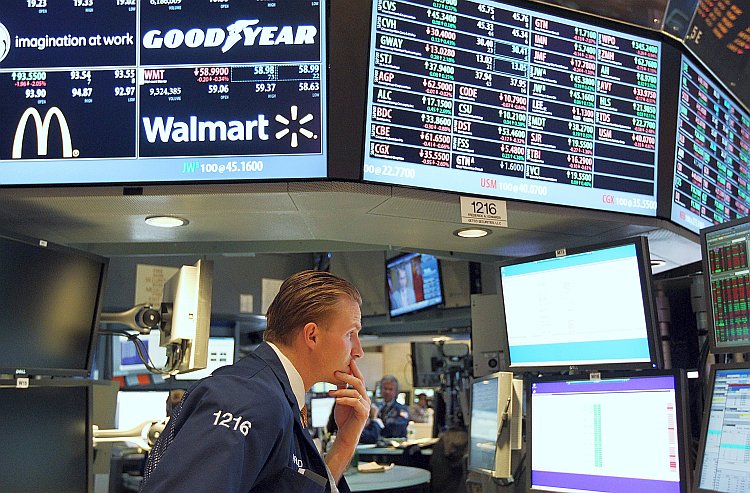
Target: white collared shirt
x=298, y=388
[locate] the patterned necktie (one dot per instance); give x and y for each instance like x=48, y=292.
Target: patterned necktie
x=303, y=416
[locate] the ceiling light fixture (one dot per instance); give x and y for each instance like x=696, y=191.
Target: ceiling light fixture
x=472, y=232
x=166, y=221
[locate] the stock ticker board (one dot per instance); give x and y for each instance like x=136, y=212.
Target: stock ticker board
x=492, y=99
x=161, y=90
x=712, y=153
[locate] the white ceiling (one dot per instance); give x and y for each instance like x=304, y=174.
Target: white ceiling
x=313, y=216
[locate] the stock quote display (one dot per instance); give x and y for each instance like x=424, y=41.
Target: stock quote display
x=492, y=99
x=139, y=91
x=712, y=154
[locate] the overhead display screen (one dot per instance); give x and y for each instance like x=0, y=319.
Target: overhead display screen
x=712, y=153
x=126, y=91
x=493, y=99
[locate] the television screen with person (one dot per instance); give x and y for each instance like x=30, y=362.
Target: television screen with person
x=623, y=433
x=586, y=307
x=413, y=282
x=723, y=464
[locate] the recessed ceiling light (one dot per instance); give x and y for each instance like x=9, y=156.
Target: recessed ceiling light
x=472, y=232
x=166, y=221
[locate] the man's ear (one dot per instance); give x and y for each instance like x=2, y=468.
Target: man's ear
x=311, y=334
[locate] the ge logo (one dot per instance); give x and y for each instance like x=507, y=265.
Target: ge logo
x=4, y=42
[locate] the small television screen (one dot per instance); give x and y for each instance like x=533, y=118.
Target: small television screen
x=47, y=436
x=710, y=161
x=178, y=90
x=413, y=282
x=515, y=100
x=495, y=420
x=50, y=303
x=722, y=464
x=726, y=279
x=320, y=410
x=587, y=307
x=623, y=433
x=137, y=406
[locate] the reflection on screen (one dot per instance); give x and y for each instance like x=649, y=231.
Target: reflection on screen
x=135, y=407
x=484, y=420
x=615, y=435
x=320, y=408
x=726, y=458
x=578, y=309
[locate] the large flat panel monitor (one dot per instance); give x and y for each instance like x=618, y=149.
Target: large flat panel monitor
x=141, y=91
x=712, y=153
x=723, y=463
x=620, y=434
x=497, y=99
x=726, y=274
x=413, y=282
x=47, y=435
x=589, y=307
x=50, y=302
x=495, y=424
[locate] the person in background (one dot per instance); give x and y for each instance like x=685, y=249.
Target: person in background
x=243, y=429
x=373, y=428
x=395, y=416
x=420, y=412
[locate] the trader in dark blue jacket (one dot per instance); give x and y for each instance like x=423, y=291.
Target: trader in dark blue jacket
x=395, y=416
x=240, y=429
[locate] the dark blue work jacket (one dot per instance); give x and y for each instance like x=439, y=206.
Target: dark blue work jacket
x=238, y=431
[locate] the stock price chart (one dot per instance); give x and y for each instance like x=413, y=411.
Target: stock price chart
x=134, y=91
x=487, y=98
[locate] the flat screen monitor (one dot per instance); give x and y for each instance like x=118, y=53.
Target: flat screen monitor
x=495, y=422
x=623, y=433
x=503, y=100
x=50, y=302
x=47, y=436
x=125, y=358
x=413, y=282
x=711, y=154
x=141, y=91
x=588, y=307
x=220, y=353
x=137, y=406
x=320, y=409
x=726, y=279
x=723, y=463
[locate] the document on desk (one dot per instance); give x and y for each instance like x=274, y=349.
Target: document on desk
x=374, y=467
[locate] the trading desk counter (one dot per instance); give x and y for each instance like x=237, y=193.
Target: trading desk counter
x=402, y=478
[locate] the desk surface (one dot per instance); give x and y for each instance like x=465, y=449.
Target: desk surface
x=398, y=477
x=387, y=451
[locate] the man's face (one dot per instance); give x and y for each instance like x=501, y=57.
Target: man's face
x=389, y=391
x=340, y=339
x=402, y=278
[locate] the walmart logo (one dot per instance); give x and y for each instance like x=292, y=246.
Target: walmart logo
x=287, y=122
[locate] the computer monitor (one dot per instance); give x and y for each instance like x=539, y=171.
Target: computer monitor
x=186, y=316
x=623, y=433
x=50, y=302
x=221, y=352
x=726, y=274
x=495, y=424
x=136, y=406
x=320, y=409
x=723, y=464
x=46, y=432
x=589, y=307
x=413, y=283
x=125, y=359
